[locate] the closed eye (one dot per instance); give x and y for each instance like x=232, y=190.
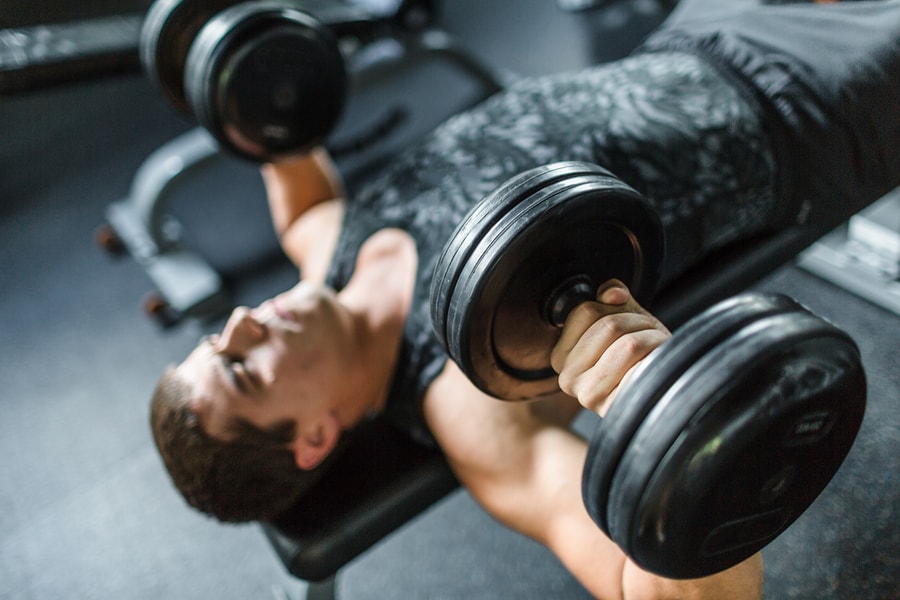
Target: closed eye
x=244, y=380
x=235, y=370
x=237, y=374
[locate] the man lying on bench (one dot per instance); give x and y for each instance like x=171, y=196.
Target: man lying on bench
x=727, y=120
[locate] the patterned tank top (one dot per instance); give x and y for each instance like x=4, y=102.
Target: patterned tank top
x=668, y=124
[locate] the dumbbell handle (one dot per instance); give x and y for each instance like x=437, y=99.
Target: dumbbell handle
x=572, y=292
x=567, y=295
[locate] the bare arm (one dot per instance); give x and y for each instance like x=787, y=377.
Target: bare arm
x=305, y=197
x=294, y=185
x=524, y=465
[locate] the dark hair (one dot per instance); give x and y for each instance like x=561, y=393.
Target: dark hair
x=251, y=477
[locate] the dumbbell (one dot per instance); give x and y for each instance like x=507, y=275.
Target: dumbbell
x=266, y=78
x=720, y=439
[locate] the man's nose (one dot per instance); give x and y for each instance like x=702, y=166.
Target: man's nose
x=241, y=332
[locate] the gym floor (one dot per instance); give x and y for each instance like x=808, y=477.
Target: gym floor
x=86, y=510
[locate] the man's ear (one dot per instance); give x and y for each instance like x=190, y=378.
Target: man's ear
x=312, y=447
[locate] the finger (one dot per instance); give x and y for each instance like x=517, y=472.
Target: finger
x=613, y=297
x=590, y=328
x=607, y=371
x=614, y=393
x=589, y=332
x=616, y=296
x=613, y=293
x=596, y=385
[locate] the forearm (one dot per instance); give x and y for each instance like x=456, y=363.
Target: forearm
x=741, y=582
x=294, y=185
x=600, y=565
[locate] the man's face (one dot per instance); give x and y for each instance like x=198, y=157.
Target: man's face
x=270, y=363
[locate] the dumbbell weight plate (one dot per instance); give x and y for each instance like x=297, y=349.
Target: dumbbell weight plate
x=506, y=259
x=478, y=223
x=738, y=446
x=167, y=32
x=653, y=377
x=266, y=80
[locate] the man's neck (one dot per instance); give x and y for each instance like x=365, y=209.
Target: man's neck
x=379, y=296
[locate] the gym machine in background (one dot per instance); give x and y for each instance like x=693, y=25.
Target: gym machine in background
x=863, y=255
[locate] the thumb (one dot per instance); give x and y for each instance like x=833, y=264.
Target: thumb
x=617, y=298
x=613, y=293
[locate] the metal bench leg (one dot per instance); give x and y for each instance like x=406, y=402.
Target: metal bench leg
x=322, y=590
x=187, y=282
